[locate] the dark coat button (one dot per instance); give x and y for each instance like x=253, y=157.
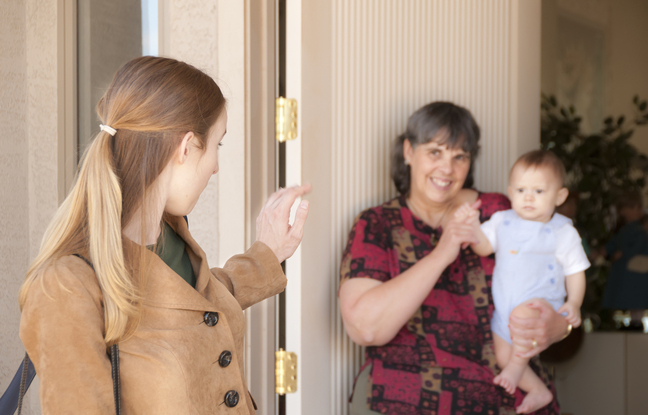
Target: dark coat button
x=211, y=318
x=225, y=358
x=231, y=399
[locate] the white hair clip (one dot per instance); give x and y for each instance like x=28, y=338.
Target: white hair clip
x=108, y=129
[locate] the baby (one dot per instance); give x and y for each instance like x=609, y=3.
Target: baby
x=537, y=255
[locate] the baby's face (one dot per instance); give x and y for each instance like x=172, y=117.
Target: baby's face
x=535, y=193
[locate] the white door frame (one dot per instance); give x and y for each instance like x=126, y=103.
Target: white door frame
x=294, y=177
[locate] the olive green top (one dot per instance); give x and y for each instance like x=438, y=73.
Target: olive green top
x=172, y=250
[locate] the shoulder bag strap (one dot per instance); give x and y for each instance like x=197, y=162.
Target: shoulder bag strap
x=13, y=396
x=25, y=379
x=114, y=362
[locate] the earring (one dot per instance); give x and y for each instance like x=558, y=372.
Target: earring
x=406, y=162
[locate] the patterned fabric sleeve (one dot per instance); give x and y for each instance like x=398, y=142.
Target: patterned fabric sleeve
x=491, y=203
x=368, y=252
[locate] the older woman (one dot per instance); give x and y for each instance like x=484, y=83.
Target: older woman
x=420, y=302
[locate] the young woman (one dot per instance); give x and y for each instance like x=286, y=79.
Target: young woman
x=118, y=265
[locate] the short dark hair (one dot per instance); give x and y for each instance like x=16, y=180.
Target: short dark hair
x=542, y=158
x=629, y=199
x=443, y=122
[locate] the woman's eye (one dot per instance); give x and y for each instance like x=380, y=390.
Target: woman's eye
x=435, y=152
x=539, y=191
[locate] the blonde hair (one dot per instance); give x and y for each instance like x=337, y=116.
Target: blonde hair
x=152, y=103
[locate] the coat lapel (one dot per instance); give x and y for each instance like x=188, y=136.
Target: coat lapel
x=163, y=287
x=196, y=254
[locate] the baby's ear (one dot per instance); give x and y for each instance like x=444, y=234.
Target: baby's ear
x=509, y=192
x=562, y=196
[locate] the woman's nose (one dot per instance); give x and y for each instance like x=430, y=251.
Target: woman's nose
x=446, y=165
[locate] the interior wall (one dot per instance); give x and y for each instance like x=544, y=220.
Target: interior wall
x=622, y=59
x=628, y=61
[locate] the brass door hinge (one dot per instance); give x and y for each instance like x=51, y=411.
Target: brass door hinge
x=285, y=372
x=285, y=119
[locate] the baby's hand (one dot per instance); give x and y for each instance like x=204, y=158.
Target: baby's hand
x=467, y=214
x=573, y=313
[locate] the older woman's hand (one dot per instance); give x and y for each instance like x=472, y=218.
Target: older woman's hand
x=456, y=234
x=272, y=224
x=547, y=328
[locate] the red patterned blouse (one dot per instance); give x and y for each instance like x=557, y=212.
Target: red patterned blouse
x=442, y=361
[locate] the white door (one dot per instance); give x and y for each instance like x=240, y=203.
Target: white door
x=358, y=68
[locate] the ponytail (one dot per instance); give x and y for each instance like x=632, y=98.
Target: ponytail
x=105, y=238
x=93, y=206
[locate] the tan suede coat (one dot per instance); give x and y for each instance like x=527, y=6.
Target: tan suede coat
x=171, y=364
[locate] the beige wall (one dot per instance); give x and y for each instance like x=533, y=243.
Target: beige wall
x=191, y=35
x=210, y=35
x=14, y=238
x=28, y=182
x=106, y=33
x=622, y=24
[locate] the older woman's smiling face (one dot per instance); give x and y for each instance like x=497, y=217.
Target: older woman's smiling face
x=437, y=173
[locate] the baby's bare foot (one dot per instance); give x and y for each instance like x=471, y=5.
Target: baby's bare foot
x=504, y=383
x=509, y=378
x=534, y=400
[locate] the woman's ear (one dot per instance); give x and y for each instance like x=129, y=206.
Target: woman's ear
x=407, y=150
x=183, y=149
x=562, y=196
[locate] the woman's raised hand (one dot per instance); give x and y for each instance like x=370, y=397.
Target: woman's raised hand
x=272, y=224
x=457, y=234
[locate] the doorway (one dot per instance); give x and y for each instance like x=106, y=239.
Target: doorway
x=358, y=68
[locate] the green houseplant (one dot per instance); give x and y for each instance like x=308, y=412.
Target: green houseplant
x=600, y=166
